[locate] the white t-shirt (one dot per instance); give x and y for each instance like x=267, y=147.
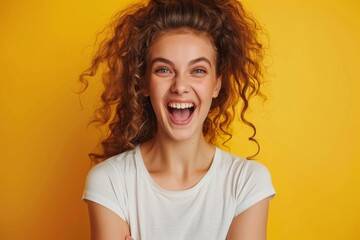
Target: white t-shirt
x=205, y=211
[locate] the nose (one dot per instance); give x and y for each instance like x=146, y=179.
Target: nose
x=180, y=85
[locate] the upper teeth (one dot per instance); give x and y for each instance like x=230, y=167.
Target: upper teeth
x=181, y=105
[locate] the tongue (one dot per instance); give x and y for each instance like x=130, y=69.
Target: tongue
x=181, y=114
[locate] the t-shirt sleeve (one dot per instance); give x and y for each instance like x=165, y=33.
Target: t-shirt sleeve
x=253, y=186
x=105, y=187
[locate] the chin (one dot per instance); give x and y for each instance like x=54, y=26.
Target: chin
x=183, y=135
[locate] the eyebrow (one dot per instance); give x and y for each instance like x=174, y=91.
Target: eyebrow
x=167, y=61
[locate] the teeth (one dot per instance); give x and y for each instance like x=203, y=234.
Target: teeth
x=180, y=105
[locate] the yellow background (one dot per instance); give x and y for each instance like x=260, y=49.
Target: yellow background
x=308, y=129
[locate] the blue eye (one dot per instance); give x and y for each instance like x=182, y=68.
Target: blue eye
x=199, y=71
x=162, y=70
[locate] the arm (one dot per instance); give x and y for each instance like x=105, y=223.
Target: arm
x=105, y=224
x=250, y=224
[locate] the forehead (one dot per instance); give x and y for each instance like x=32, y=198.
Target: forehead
x=182, y=44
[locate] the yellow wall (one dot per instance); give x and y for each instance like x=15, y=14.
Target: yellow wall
x=309, y=128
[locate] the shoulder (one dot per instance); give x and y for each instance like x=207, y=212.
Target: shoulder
x=246, y=176
x=107, y=183
x=242, y=166
x=250, y=180
x=113, y=167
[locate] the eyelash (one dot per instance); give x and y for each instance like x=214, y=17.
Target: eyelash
x=162, y=70
x=199, y=69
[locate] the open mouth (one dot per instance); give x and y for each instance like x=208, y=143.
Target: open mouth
x=181, y=112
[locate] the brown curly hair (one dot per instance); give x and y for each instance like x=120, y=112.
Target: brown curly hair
x=127, y=113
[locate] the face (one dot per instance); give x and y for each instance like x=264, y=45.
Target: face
x=182, y=81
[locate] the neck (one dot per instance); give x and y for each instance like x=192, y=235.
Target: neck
x=163, y=154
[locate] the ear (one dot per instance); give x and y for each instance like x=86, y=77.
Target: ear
x=217, y=87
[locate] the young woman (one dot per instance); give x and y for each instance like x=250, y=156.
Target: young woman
x=175, y=70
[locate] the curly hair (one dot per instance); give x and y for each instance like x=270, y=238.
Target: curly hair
x=128, y=114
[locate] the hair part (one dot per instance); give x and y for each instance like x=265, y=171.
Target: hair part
x=128, y=112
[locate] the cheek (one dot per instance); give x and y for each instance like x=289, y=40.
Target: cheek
x=157, y=89
x=205, y=90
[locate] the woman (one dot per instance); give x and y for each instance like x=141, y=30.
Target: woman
x=175, y=71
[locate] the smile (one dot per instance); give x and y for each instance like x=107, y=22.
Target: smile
x=180, y=113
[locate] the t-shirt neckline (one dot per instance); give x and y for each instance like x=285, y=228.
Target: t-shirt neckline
x=145, y=173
